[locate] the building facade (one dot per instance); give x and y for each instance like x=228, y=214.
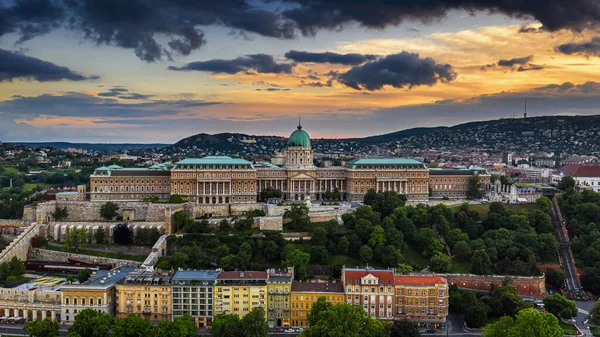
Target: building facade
x=583, y=174
x=454, y=183
x=370, y=289
x=239, y=292
x=422, y=299
x=192, y=294
x=97, y=293
x=224, y=180
x=144, y=293
x=305, y=294
x=279, y=285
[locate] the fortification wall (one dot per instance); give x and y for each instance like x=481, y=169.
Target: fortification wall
x=13, y=223
x=533, y=286
x=51, y=255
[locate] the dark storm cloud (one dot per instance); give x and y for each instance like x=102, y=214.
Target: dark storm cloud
x=142, y=25
x=591, y=48
x=312, y=15
x=328, y=57
x=75, y=104
x=123, y=93
x=398, y=70
x=17, y=66
x=273, y=89
x=515, y=61
x=260, y=63
x=527, y=29
x=530, y=66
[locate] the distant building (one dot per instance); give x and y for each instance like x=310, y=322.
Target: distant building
x=583, y=174
x=192, y=294
x=453, y=183
x=146, y=294
x=306, y=293
x=507, y=158
x=238, y=292
x=279, y=285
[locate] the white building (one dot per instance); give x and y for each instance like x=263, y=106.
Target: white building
x=583, y=174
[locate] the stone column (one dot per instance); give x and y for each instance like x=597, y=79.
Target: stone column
x=43, y=315
x=34, y=315
x=53, y=314
x=25, y=313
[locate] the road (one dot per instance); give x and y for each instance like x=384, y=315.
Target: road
x=583, y=310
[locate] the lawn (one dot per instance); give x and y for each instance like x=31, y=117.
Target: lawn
x=415, y=259
x=483, y=209
x=568, y=328
x=461, y=267
x=112, y=255
x=29, y=187
x=10, y=169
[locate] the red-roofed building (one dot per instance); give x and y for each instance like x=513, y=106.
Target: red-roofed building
x=422, y=299
x=583, y=174
x=371, y=289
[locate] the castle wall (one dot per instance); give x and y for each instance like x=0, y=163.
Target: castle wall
x=533, y=286
x=51, y=255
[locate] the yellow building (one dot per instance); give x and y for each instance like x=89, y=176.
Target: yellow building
x=305, y=294
x=422, y=299
x=453, y=183
x=279, y=285
x=239, y=292
x=146, y=294
x=97, y=293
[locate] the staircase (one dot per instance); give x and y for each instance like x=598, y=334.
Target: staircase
x=565, y=255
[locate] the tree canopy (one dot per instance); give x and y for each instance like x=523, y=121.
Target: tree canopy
x=109, y=210
x=528, y=323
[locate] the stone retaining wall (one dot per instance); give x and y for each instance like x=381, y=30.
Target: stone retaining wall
x=13, y=223
x=533, y=286
x=51, y=255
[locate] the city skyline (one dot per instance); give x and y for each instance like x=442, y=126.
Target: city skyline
x=137, y=73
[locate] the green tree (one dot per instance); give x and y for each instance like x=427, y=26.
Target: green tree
x=474, y=187
x=566, y=183
x=44, y=328
x=91, y=323
x=133, y=326
x=100, y=235
x=227, y=325
x=377, y=236
x=255, y=324
x=271, y=251
x=404, y=268
x=527, y=323
x=343, y=245
x=555, y=277
x=390, y=256
x=560, y=306
x=297, y=216
x=61, y=213
x=595, y=314
x=16, y=267
x=299, y=260
x=476, y=315
x=366, y=254
x=245, y=255
x=462, y=251
x=270, y=192
x=404, y=328
x=83, y=275
x=183, y=326
x=180, y=259
x=544, y=204
x=319, y=237
x=224, y=225
x=440, y=263
x=76, y=239
x=327, y=320
x=109, y=210
x=180, y=219
x=176, y=199
x=481, y=263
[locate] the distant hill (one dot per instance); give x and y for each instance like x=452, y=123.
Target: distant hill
x=91, y=146
x=564, y=134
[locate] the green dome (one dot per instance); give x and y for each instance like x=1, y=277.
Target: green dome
x=299, y=138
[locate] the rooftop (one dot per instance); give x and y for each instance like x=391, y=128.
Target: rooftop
x=419, y=280
x=196, y=275
x=382, y=161
x=580, y=170
x=317, y=287
x=385, y=275
x=107, y=277
x=243, y=275
x=214, y=160
x=144, y=277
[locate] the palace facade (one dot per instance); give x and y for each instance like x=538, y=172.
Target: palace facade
x=224, y=180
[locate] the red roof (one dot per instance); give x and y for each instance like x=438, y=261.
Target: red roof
x=387, y=276
x=580, y=170
x=242, y=275
x=418, y=280
x=317, y=287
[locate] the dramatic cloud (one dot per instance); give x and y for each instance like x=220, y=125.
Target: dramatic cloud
x=144, y=25
x=123, y=93
x=312, y=15
x=17, y=66
x=75, y=104
x=328, y=57
x=260, y=63
x=399, y=70
x=514, y=61
x=591, y=48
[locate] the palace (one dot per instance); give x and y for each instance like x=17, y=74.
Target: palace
x=225, y=180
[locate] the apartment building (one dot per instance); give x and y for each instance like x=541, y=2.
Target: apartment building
x=192, y=294
x=144, y=293
x=305, y=294
x=239, y=292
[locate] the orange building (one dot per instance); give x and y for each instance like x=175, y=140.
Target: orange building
x=422, y=299
x=370, y=289
x=305, y=294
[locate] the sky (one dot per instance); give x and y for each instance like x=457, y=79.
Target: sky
x=157, y=71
